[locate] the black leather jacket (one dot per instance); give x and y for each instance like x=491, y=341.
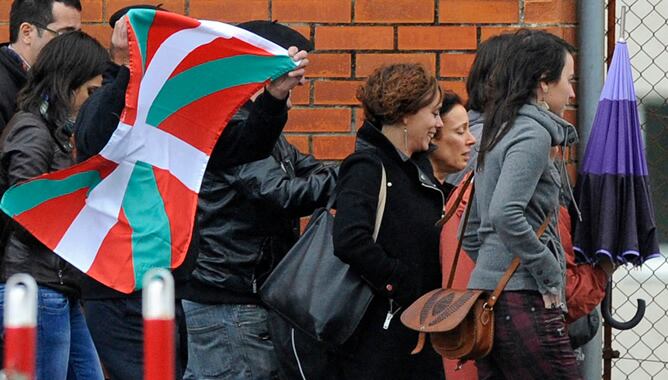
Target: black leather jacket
x=249, y=219
x=30, y=148
x=250, y=135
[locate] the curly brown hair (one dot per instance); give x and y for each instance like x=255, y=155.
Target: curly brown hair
x=394, y=91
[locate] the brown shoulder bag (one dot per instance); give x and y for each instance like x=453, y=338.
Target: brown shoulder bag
x=460, y=321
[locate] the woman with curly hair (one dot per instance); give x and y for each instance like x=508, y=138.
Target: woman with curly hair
x=401, y=108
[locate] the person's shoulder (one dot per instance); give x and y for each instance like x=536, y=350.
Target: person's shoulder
x=528, y=128
x=25, y=129
x=26, y=122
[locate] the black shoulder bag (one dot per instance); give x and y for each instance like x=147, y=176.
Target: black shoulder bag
x=313, y=289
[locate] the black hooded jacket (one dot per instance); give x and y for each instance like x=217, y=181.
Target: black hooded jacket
x=12, y=78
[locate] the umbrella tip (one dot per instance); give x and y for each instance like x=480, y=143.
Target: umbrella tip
x=622, y=24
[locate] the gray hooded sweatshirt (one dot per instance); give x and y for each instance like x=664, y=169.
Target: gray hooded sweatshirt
x=515, y=191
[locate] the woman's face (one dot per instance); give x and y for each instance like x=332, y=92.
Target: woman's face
x=454, y=141
x=83, y=92
x=421, y=127
x=561, y=91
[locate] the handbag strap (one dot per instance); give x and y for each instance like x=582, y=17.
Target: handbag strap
x=382, y=197
x=468, y=180
x=380, y=208
x=513, y=267
x=453, y=267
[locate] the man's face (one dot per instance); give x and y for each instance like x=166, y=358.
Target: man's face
x=65, y=19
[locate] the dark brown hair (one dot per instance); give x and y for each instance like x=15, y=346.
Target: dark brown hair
x=64, y=64
x=449, y=101
x=394, y=91
x=532, y=57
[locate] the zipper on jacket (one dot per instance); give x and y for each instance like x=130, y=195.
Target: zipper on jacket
x=433, y=187
x=60, y=277
x=254, y=282
x=390, y=314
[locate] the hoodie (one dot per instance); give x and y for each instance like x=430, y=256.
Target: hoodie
x=516, y=190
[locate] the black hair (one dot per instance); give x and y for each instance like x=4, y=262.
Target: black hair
x=277, y=33
x=534, y=56
x=123, y=11
x=38, y=12
x=64, y=64
x=450, y=100
x=477, y=83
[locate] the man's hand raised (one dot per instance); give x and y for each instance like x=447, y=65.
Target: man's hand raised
x=281, y=87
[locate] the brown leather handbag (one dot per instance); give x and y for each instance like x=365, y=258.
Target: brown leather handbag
x=460, y=321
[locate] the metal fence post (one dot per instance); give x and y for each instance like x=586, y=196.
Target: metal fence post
x=591, y=38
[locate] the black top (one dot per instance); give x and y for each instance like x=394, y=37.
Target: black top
x=403, y=263
x=12, y=78
x=400, y=266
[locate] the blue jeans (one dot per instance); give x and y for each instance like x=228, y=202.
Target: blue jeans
x=229, y=342
x=64, y=347
x=117, y=327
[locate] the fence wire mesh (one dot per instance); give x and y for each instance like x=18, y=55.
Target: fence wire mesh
x=644, y=349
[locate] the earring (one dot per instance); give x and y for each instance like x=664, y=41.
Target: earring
x=406, y=138
x=543, y=104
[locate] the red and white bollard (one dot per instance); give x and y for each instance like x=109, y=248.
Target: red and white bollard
x=20, y=321
x=159, y=327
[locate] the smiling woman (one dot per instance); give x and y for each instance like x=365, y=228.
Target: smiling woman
x=401, y=106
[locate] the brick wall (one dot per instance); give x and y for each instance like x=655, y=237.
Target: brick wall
x=352, y=37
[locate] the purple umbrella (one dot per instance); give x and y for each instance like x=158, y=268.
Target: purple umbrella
x=617, y=217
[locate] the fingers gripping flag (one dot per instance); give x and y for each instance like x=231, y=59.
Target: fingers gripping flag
x=131, y=207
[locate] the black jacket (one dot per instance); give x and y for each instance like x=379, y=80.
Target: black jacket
x=31, y=148
x=12, y=78
x=249, y=219
x=244, y=139
x=400, y=266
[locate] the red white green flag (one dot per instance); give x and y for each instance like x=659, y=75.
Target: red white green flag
x=131, y=207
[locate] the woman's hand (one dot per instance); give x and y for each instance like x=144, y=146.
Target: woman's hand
x=120, y=50
x=608, y=267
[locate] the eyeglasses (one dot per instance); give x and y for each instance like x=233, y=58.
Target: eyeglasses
x=55, y=32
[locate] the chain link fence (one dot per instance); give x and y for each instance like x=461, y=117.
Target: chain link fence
x=644, y=349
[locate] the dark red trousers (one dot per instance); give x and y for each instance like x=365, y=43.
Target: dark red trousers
x=530, y=341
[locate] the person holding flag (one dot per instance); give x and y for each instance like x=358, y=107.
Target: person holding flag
x=115, y=317
x=248, y=218
x=37, y=141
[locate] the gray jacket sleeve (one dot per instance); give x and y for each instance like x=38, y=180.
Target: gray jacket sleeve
x=523, y=165
x=471, y=242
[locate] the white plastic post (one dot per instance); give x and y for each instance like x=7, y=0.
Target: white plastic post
x=159, y=333
x=20, y=321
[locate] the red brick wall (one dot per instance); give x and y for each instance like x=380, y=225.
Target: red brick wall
x=352, y=37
